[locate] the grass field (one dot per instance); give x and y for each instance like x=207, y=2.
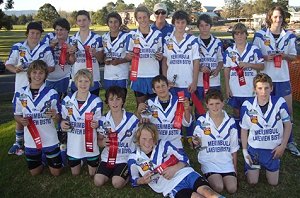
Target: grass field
x=15, y=179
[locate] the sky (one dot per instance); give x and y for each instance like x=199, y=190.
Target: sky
x=93, y=5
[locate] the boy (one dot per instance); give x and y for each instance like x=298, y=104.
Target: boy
x=163, y=108
x=40, y=104
x=266, y=127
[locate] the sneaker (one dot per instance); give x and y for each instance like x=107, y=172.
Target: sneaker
x=292, y=146
x=15, y=149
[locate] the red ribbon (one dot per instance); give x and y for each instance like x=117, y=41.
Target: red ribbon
x=113, y=149
x=170, y=162
x=198, y=105
x=135, y=64
x=34, y=133
x=179, y=111
x=88, y=58
x=88, y=132
x=240, y=74
x=277, y=61
x=206, y=77
x=63, y=56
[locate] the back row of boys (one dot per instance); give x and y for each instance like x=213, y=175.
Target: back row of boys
x=179, y=52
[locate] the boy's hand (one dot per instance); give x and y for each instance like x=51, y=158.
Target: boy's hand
x=186, y=104
x=24, y=121
x=278, y=152
x=247, y=157
x=141, y=108
x=94, y=124
x=65, y=125
x=196, y=140
x=169, y=172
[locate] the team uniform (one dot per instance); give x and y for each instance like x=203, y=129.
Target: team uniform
x=76, y=137
x=115, y=74
x=220, y=142
x=35, y=107
x=59, y=78
x=140, y=164
x=148, y=65
x=232, y=57
x=265, y=129
x=180, y=57
x=126, y=131
x=21, y=54
x=210, y=56
x=166, y=30
x=94, y=41
x=165, y=120
x=266, y=42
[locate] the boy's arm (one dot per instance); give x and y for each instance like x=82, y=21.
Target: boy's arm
x=164, y=66
x=279, y=150
x=196, y=67
x=234, y=160
x=226, y=77
x=244, y=138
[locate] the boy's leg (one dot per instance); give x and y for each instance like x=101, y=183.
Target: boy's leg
x=216, y=182
x=17, y=147
x=102, y=174
x=272, y=177
x=253, y=176
x=230, y=183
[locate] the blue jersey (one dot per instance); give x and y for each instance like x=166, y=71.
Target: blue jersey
x=166, y=30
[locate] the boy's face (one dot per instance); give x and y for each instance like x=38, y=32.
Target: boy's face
x=143, y=19
x=263, y=90
x=113, y=24
x=34, y=36
x=240, y=37
x=215, y=106
x=37, y=77
x=146, y=141
x=204, y=28
x=83, y=84
x=180, y=25
x=115, y=103
x=83, y=21
x=61, y=33
x=162, y=90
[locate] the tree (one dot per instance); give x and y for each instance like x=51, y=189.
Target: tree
x=47, y=14
x=262, y=6
x=232, y=8
x=247, y=10
x=22, y=20
x=6, y=21
x=99, y=17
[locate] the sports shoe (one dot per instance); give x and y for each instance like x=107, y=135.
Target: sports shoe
x=16, y=149
x=292, y=146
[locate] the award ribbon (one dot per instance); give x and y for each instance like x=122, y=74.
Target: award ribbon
x=63, y=56
x=88, y=132
x=34, y=133
x=179, y=111
x=170, y=162
x=88, y=58
x=135, y=63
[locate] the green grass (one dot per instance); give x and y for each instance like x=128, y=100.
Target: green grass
x=15, y=179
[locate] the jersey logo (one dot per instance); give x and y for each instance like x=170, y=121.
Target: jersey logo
x=23, y=99
x=266, y=40
x=22, y=53
x=41, y=55
x=254, y=119
x=207, y=131
x=136, y=39
x=69, y=107
x=94, y=45
x=170, y=44
x=121, y=45
x=128, y=133
x=252, y=112
x=233, y=56
x=189, y=46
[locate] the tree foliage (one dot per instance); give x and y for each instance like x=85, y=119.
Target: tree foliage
x=47, y=14
x=6, y=21
x=232, y=8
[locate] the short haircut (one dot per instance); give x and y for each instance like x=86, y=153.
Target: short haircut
x=83, y=12
x=180, y=15
x=206, y=18
x=37, y=65
x=34, y=25
x=239, y=27
x=86, y=73
x=214, y=94
x=159, y=78
x=62, y=22
x=270, y=13
x=115, y=91
x=114, y=15
x=141, y=8
x=148, y=127
x=262, y=77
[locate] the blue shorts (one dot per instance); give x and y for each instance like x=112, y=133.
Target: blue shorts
x=200, y=91
x=265, y=159
x=109, y=83
x=236, y=102
x=61, y=86
x=190, y=183
x=175, y=90
x=96, y=86
x=281, y=89
x=142, y=85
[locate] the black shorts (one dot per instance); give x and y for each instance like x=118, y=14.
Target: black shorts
x=187, y=192
x=140, y=94
x=120, y=170
x=207, y=175
x=91, y=161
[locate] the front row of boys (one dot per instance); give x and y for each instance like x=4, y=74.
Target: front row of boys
x=153, y=159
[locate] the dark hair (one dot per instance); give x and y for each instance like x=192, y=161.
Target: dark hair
x=270, y=13
x=115, y=91
x=62, y=22
x=239, y=27
x=37, y=65
x=214, y=94
x=159, y=78
x=206, y=18
x=83, y=12
x=262, y=77
x=114, y=15
x=180, y=15
x=34, y=25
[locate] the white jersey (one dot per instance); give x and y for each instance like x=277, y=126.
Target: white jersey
x=268, y=45
x=265, y=130
x=115, y=49
x=220, y=141
x=210, y=56
x=148, y=65
x=58, y=73
x=94, y=41
x=21, y=55
x=232, y=57
x=165, y=120
x=140, y=164
x=126, y=132
x=26, y=106
x=180, y=57
x=76, y=138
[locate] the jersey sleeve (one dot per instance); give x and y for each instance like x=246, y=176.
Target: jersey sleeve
x=187, y=123
x=219, y=52
x=284, y=112
x=198, y=131
x=49, y=58
x=244, y=117
x=234, y=143
x=64, y=111
x=54, y=102
x=133, y=170
x=98, y=109
x=292, y=45
x=129, y=43
x=180, y=154
x=13, y=56
x=17, y=105
x=195, y=49
x=256, y=40
x=99, y=44
x=226, y=59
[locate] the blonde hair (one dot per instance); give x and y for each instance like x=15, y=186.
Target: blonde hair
x=85, y=73
x=141, y=8
x=148, y=127
x=37, y=65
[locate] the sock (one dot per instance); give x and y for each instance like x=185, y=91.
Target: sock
x=20, y=137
